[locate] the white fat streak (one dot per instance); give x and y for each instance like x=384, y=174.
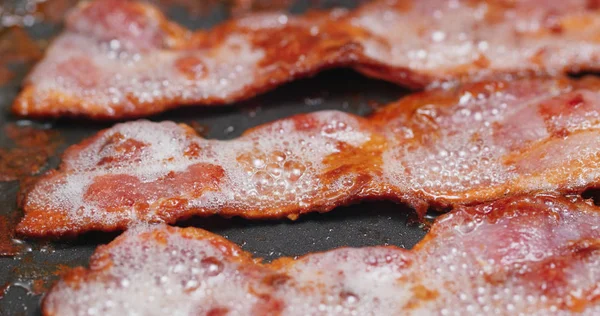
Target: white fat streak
x=289, y=181
x=147, y=76
x=434, y=37
x=151, y=279
x=455, y=162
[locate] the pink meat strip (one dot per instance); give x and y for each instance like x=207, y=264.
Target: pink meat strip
x=440, y=148
x=119, y=59
x=536, y=255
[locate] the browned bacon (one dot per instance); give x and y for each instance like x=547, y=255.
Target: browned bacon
x=526, y=255
x=442, y=148
x=125, y=59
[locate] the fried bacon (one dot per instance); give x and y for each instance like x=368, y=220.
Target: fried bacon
x=525, y=255
x=440, y=148
x=120, y=59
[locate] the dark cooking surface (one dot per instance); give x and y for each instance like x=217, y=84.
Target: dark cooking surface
x=374, y=223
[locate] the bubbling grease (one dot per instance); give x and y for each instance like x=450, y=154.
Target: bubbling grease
x=533, y=255
x=441, y=148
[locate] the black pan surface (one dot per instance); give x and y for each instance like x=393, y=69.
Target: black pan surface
x=23, y=277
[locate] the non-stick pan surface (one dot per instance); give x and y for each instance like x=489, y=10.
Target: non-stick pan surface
x=24, y=278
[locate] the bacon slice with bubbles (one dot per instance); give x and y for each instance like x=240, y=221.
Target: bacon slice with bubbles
x=121, y=59
x=441, y=148
x=526, y=255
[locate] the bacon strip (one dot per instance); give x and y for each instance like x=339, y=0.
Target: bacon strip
x=120, y=59
x=440, y=148
x=527, y=255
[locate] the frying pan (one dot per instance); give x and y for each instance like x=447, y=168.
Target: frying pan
x=25, y=277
